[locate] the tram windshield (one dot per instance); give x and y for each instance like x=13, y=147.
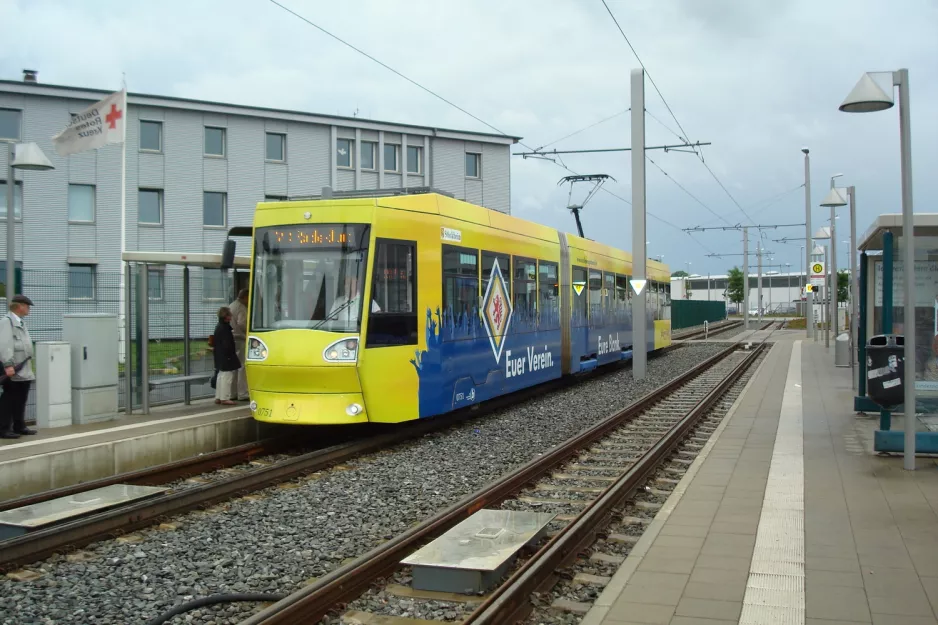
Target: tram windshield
x=309, y=277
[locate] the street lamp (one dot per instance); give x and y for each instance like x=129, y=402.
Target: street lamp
x=832, y=201
x=833, y=298
x=788, y=266
x=28, y=157
x=809, y=301
x=869, y=97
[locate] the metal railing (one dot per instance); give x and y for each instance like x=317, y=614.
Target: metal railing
x=58, y=293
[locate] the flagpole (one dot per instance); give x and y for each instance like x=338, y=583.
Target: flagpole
x=121, y=316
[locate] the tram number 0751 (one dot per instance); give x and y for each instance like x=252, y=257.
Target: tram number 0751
x=263, y=412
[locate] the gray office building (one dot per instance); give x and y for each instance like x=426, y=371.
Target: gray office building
x=194, y=169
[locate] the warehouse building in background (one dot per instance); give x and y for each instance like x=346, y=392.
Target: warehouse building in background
x=195, y=169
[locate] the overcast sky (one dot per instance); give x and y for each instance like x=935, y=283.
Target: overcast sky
x=760, y=80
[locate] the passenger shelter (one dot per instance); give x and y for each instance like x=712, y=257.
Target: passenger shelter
x=881, y=312
x=137, y=303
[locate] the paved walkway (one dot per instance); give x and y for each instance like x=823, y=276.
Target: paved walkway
x=788, y=517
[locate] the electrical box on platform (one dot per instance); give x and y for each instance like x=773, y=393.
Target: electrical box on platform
x=53, y=384
x=94, y=351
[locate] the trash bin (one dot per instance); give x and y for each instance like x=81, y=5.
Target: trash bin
x=842, y=350
x=884, y=370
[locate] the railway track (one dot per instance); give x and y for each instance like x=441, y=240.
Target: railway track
x=224, y=475
x=712, y=330
x=583, y=482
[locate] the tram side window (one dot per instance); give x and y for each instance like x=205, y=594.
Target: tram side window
x=504, y=266
x=460, y=285
x=596, y=299
x=393, y=318
x=580, y=294
x=524, y=301
x=651, y=301
x=666, y=313
x=623, y=305
x=609, y=297
x=548, y=289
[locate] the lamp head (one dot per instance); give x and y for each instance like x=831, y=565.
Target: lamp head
x=28, y=156
x=805, y=150
x=834, y=198
x=867, y=97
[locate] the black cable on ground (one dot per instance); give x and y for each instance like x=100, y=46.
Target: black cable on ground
x=204, y=601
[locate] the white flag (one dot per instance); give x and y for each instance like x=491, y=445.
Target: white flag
x=98, y=125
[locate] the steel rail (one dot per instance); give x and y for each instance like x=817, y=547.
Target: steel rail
x=714, y=329
x=311, y=603
x=511, y=601
x=162, y=473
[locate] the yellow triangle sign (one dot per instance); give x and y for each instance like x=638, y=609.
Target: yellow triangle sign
x=578, y=288
x=638, y=285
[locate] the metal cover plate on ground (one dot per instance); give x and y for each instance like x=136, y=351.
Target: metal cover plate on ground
x=472, y=555
x=20, y=520
x=483, y=541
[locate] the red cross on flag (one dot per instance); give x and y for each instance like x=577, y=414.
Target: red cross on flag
x=98, y=125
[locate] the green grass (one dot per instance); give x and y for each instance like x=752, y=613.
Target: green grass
x=163, y=356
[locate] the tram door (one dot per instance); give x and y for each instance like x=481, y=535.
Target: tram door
x=391, y=335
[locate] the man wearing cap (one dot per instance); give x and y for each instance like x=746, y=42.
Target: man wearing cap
x=16, y=353
x=239, y=327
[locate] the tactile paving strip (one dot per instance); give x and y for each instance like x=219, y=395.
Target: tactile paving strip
x=775, y=589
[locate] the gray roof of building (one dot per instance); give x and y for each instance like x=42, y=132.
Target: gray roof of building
x=142, y=99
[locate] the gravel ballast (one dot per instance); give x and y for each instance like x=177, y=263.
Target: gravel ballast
x=287, y=536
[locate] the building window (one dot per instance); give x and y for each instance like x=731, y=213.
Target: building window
x=150, y=207
x=369, y=149
x=155, y=285
x=10, y=123
x=390, y=157
x=214, y=209
x=81, y=282
x=276, y=147
x=17, y=277
x=275, y=198
x=214, y=285
x=414, y=154
x=473, y=165
x=81, y=203
x=151, y=136
x=17, y=200
x=343, y=152
x=214, y=141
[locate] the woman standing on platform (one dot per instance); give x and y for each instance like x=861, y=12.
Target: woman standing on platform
x=16, y=353
x=227, y=362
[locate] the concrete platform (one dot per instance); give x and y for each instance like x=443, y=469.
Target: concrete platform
x=69, y=455
x=788, y=516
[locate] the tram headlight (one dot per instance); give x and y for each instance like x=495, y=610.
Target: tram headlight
x=343, y=350
x=353, y=410
x=257, y=350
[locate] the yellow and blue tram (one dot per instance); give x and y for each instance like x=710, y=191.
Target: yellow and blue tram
x=398, y=307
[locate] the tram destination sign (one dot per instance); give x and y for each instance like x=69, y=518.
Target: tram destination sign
x=318, y=235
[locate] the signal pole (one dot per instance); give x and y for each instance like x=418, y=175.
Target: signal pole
x=639, y=312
